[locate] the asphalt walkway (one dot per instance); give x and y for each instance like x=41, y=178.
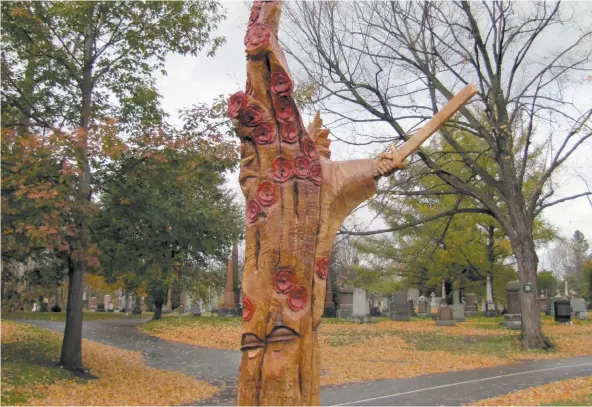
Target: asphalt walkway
x=220, y=368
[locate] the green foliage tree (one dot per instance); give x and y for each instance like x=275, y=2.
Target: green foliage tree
x=547, y=282
x=73, y=66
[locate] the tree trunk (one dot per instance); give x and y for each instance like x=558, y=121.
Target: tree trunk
x=169, y=304
x=71, y=356
x=157, y=310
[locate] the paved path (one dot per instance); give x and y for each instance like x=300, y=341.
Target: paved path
x=220, y=368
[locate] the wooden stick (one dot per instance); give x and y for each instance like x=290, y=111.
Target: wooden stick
x=453, y=106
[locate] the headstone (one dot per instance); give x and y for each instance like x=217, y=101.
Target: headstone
x=483, y=306
x=490, y=309
x=400, y=307
x=543, y=303
x=106, y=299
x=513, y=319
x=384, y=305
x=562, y=311
x=458, y=308
x=92, y=304
x=550, y=309
x=443, y=293
x=411, y=307
x=445, y=317
x=578, y=307
x=110, y=307
x=346, y=302
x=471, y=304
x=195, y=310
x=423, y=307
x=360, y=303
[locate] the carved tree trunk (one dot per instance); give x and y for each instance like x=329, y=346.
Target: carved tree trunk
x=296, y=200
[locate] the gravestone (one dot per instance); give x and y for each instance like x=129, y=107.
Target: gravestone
x=445, y=317
x=110, y=307
x=346, y=302
x=423, y=307
x=360, y=303
x=483, y=306
x=384, y=305
x=458, y=308
x=195, y=310
x=578, y=307
x=92, y=304
x=400, y=307
x=513, y=319
x=471, y=304
x=411, y=307
x=490, y=308
x=106, y=299
x=550, y=309
x=562, y=311
x=543, y=303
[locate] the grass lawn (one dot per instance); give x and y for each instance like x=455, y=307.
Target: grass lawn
x=117, y=377
x=380, y=350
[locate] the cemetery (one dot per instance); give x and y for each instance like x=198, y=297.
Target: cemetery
x=295, y=203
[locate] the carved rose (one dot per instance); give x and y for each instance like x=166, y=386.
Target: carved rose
x=266, y=193
x=248, y=308
x=309, y=149
x=250, y=116
x=257, y=35
x=322, y=267
x=289, y=132
x=237, y=102
x=282, y=169
x=316, y=174
x=284, y=281
x=284, y=107
x=253, y=211
x=264, y=133
x=280, y=83
x=254, y=16
x=301, y=167
x=297, y=298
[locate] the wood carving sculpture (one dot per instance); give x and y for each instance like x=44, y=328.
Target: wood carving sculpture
x=297, y=199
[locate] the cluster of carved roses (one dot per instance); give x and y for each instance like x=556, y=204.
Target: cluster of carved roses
x=253, y=211
x=237, y=102
x=301, y=167
x=285, y=283
x=257, y=35
x=297, y=298
x=267, y=193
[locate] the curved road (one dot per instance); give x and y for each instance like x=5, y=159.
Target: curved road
x=220, y=368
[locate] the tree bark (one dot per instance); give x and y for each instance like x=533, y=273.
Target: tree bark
x=157, y=309
x=71, y=356
x=169, y=304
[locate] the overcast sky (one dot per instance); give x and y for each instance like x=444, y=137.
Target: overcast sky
x=192, y=80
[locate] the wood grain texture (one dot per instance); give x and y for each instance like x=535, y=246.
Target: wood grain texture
x=296, y=198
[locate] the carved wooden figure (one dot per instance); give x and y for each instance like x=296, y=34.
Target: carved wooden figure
x=296, y=200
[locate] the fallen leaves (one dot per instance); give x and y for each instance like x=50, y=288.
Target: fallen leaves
x=123, y=378
x=565, y=390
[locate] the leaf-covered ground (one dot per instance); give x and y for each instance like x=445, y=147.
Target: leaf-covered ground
x=390, y=349
x=61, y=316
x=30, y=377
x=572, y=392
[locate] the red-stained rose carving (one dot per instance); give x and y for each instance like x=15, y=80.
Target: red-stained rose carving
x=267, y=193
x=309, y=149
x=281, y=83
x=289, y=132
x=237, y=101
x=250, y=116
x=257, y=35
x=248, y=308
x=316, y=174
x=285, y=109
x=254, y=16
x=284, y=281
x=322, y=267
x=282, y=169
x=264, y=133
x=297, y=298
x=301, y=167
x=253, y=211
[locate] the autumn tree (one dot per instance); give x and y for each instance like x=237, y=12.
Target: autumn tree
x=392, y=65
x=74, y=66
x=171, y=215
